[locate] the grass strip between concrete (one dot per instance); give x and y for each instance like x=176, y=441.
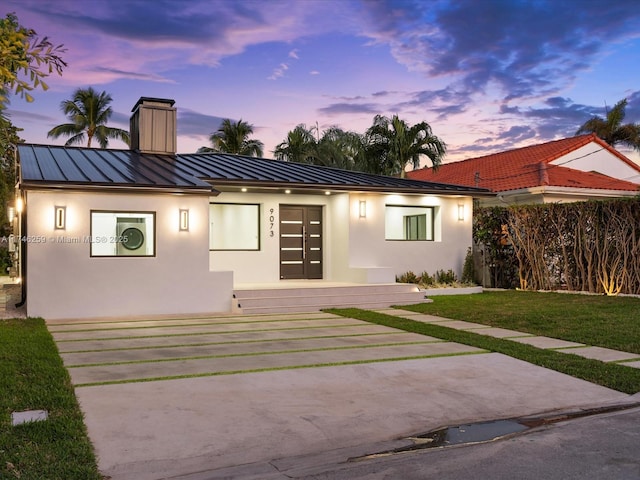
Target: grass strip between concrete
x=610, y=375
x=231, y=342
x=251, y=354
x=272, y=369
x=191, y=334
x=283, y=316
x=182, y=325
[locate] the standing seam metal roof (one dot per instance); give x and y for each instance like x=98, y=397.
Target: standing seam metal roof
x=58, y=166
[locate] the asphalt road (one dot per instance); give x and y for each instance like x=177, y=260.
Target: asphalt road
x=605, y=446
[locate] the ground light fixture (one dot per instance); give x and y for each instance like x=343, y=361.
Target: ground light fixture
x=184, y=220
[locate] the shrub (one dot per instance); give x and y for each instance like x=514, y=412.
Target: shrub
x=468, y=271
x=447, y=277
x=408, y=277
x=426, y=279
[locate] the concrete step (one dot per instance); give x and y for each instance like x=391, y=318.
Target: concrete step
x=374, y=289
x=281, y=300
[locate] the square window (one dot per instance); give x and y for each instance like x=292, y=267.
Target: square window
x=409, y=223
x=123, y=234
x=234, y=226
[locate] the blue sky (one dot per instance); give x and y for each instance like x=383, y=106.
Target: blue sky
x=487, y=75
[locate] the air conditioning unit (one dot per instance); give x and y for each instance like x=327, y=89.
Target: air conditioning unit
x=131, y=236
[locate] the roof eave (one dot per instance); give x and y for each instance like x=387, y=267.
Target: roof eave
x=569, y=191
x=99, y=187
x=427, y=189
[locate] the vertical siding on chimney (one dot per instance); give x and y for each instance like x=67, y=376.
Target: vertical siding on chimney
x=153, y=126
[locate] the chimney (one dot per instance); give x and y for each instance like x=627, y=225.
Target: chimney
x=153, y=127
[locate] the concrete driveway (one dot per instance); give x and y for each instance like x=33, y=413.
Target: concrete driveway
x=189, y=397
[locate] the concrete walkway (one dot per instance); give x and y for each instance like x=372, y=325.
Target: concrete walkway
x=580, y=349
x=189, y=397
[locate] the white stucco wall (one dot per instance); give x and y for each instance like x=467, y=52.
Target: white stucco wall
x=355, y=249
x=64, y=281
x=262, y=266
x=368, y=247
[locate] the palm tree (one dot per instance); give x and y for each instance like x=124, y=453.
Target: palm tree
x=89, y=113
x=300, y=146
x=336, y=148
x=233, y=137
x=611, y=129
x=341, y=149
x=392, y=144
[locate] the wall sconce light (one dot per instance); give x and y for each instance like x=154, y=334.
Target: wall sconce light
x=460, y=212
x=363, y=209
x=184, y=220
x=19, y=204
x=11, y=213
x=60, y=218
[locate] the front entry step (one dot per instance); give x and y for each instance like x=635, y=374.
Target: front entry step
x=311, y=299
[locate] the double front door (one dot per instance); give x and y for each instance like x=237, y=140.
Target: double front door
x=300, y=242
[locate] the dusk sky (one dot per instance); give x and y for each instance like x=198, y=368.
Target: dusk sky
x=487, y=75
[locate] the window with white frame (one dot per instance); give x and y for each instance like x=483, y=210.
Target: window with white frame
x=234, y=226
x=409, y=223
x=123, y=234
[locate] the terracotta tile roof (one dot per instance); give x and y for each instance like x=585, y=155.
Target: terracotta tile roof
x=528, y=167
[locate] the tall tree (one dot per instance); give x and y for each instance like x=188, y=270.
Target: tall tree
x=336, y=148
x=392, y=144
x=612, y=130
x=341, y=149
x=233, y=137
x=89, y=112
x=8, y=140
x=25, y=60
x=300, y=145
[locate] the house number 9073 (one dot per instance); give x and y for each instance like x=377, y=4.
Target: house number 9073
x=272, y=220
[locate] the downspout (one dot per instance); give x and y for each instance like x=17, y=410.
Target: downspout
x=22, y=230
x=22, y=271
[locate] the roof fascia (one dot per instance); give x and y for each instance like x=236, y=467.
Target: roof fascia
x=42, y=186
x=547, y=190
x=427, y=190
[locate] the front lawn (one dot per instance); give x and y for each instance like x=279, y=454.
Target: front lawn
x=32, y=377
x=611, y=322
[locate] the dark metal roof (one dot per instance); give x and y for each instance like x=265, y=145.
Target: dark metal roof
x=55, y=166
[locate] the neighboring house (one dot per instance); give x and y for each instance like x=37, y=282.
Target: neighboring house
x=148, y=231
x=567, y=170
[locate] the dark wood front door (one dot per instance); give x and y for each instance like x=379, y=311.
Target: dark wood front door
x=300, y=241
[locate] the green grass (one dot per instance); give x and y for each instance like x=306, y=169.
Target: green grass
x=274, y=369
x=32, y=377
x=610, y=375
x=611, y=322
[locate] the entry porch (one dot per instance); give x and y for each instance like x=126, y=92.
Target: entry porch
x=313, y=295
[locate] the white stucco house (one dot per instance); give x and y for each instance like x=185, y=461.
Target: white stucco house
x=146, y=231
